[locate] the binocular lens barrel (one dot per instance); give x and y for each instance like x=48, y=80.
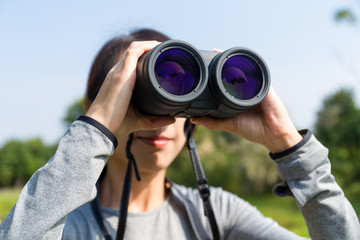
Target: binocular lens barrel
x=242, y=77
x=177, y=71
x=176, y=79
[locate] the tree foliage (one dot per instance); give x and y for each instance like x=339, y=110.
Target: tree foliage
x=20, y=159
x=345, y=15
x=348, y=14
x=338, y=128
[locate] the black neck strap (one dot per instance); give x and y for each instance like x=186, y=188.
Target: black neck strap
x=201, y=181
x=124, y=203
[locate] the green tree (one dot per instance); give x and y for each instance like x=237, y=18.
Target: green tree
x=338, y=128
x=20, y=159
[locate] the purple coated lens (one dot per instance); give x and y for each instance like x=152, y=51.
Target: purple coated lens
x=177, y=71
x=242, y=77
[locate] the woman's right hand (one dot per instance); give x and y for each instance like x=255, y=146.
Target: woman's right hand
x=112, y=106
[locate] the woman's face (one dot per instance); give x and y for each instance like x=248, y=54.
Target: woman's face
x=154, y=150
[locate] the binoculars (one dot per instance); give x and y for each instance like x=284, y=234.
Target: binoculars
x=175, y=78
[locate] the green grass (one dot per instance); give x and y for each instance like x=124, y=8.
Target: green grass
x=283, y=210
x=8, y=197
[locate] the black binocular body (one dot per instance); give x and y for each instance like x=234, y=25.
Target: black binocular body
x=175, y=78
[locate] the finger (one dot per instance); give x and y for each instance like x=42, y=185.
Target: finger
x=217, y=50
x=135, y=51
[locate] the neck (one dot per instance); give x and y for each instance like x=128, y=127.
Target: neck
x=145, y=195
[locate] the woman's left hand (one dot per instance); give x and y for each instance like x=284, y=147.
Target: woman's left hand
x=267, y=123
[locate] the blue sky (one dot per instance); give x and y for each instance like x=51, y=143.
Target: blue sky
x=46, y=49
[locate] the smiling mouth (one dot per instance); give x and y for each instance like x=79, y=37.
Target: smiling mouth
x=155, y=142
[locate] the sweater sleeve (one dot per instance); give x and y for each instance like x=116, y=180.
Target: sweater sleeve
x=306, y=173
x=66, y=182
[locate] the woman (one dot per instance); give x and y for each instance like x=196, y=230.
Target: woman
x=58, y=200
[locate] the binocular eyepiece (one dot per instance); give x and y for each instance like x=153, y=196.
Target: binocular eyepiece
x=175, y=78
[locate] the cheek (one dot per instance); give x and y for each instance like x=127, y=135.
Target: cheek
x=180, y=142
x=177, y=146
x=180, y=139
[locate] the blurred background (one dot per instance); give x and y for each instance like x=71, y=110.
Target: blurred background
x=312, y=49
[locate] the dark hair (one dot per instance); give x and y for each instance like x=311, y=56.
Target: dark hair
x=110, y=54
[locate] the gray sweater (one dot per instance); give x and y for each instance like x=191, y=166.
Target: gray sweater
x=54, y=203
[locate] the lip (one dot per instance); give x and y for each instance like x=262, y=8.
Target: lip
x=158, y=142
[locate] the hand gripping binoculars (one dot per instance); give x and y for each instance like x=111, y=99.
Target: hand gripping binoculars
x=175, y=78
